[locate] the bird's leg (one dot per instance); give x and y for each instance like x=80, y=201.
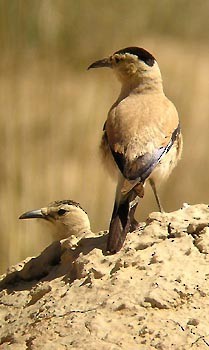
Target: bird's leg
x=156, y=196
x=134, y=225
x=133, y=222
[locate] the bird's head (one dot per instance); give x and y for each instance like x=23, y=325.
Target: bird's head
x=131, y=64
x=67, y=216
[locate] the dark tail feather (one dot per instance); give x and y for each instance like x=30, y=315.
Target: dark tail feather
x=120, y=225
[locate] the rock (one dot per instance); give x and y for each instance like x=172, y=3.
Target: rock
x=151, y=295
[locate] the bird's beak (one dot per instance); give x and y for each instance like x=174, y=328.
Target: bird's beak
x=33, y=214
x=105, y=62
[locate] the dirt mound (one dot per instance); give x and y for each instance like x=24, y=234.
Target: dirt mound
x=151, y=295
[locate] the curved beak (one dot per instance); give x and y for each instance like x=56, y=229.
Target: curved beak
x=33, y=214
x=101, y=63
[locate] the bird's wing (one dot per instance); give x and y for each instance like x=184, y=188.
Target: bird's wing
x=141, y=167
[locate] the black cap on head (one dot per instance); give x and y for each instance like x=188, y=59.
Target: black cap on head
x=141, y=53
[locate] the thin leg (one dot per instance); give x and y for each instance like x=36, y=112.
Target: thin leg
x=133, y=223
x=156, y=196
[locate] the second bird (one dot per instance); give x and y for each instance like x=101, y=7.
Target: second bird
x=142, y=138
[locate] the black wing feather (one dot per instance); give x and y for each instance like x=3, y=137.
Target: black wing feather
x=142, y=167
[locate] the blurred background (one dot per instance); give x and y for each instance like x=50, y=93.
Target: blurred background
x=52, y=109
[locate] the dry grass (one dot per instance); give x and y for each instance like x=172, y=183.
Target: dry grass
x=53, y=110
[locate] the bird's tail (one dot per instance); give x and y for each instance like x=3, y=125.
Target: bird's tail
x=121, y=221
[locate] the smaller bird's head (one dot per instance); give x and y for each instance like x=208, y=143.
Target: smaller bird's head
x=68, y=217
x=131, y=63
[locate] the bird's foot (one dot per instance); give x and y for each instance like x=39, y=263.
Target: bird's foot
x=134, y=225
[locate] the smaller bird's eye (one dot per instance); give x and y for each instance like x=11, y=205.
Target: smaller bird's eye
x=61, y=212
x=117, y=60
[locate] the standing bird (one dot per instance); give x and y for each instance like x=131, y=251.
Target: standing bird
x=142, y=137
x=66, y=215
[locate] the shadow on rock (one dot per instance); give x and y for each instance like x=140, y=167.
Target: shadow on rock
x=58, y=259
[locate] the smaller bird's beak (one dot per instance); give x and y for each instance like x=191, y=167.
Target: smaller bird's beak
x=33, y=214
x=101, y=63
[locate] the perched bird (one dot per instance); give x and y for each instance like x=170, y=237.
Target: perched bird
x=67, y=216
x=142, y=137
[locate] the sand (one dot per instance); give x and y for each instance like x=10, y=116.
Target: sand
x=153, y=294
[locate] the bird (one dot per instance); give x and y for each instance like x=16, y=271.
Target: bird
x=67, y=216
x=141, y=141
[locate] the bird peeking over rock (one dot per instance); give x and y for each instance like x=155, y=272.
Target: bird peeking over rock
x=67, y=216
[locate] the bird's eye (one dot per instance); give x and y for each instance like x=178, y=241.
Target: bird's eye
x=117, y=59
x=61, y=212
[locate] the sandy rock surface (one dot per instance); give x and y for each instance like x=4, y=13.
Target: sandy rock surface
x=153, y=294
